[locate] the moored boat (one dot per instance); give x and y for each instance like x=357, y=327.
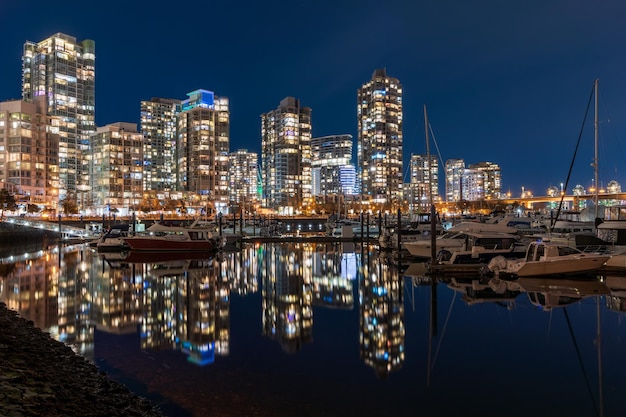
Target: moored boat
x=451, y=242
x=161, y=237
x=113, y=239
x=544, y=258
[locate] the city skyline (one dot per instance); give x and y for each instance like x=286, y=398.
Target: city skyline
x=513, y=83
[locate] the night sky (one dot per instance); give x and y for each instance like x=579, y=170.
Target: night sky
x=503, y=81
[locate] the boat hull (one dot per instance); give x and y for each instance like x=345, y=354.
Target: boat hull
x=423, y=248
x=156, y=244
x=562, y=266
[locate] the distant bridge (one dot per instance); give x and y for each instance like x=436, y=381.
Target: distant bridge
x=570, y=200
x=574, y=199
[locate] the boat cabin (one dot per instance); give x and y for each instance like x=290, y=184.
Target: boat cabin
x=613, y=228
x=540, y=251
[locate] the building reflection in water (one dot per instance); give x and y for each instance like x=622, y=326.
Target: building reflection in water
x=184, y=304
x=287, y=292
x=382, y=332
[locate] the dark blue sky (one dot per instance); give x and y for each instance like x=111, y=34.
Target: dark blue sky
x=506, y=82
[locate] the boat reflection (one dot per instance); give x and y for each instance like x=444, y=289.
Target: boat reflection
x=481, y=290
x=549, y=293
x=616, y=301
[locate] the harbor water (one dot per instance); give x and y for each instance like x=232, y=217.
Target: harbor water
x=327, y=329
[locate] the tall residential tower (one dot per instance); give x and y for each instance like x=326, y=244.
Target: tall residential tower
x=61, y=70
x=379, y=112
x=202, y=146
x=286, y=156
x=158, y=125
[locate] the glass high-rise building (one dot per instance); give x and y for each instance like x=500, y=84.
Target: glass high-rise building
x=202, y=143
x=158, y=125
x=331, y=158
x=242, y=177
x=379, y=114
x=492, y=179
x=286, y=156
x=62, y=71
x=455, y=169
x=424, y=182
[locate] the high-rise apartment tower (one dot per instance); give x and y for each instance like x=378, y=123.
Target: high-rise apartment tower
x=202, y=143
x=62, y=70
x=286, y=156
x=158, y=125
x=379, y=113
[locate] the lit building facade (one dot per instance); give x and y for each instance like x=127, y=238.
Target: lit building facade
x=286, y=156
x=117, y=169
x=158, y=126
x=424, y=182
x=202, y=144
x=473, y=188
x=455, y=168
x=379, y=115
x=492, y=179
x=62, y=70
x=243, y=171
x=28, y=153
x=331, y=165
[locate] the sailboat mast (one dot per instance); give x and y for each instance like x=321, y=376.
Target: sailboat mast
x=595, y=161
x=433, y=246
x=430, y=194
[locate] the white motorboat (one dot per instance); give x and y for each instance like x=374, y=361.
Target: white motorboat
x=544, y=258
x=113, y=239
x=450, y=242
x=483, y=248
x=388, y=238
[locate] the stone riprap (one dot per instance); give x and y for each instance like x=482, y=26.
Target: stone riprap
x=40, y=376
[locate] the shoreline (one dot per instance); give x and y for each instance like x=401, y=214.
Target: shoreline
x=42, y=376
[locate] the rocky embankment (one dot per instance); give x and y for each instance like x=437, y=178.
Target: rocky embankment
x=40, y=376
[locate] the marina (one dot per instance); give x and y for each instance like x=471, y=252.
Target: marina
x=254, y=328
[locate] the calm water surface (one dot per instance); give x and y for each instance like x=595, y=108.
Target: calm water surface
x=329, y=330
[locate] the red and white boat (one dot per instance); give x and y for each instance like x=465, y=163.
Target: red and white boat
x=160, y=237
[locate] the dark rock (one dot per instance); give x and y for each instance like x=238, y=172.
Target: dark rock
x=41, y=376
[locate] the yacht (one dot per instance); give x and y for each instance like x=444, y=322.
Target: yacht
x=468, y=241
x=545, y=258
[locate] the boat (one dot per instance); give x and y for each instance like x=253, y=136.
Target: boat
x=567, y=229
x=479, y=227
x=167, y=256
x=162, y=237
x=113, y=239
x=388, y=238
x=482, y=248
x=454, y=241
x=351, y=228
x=545, y=258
